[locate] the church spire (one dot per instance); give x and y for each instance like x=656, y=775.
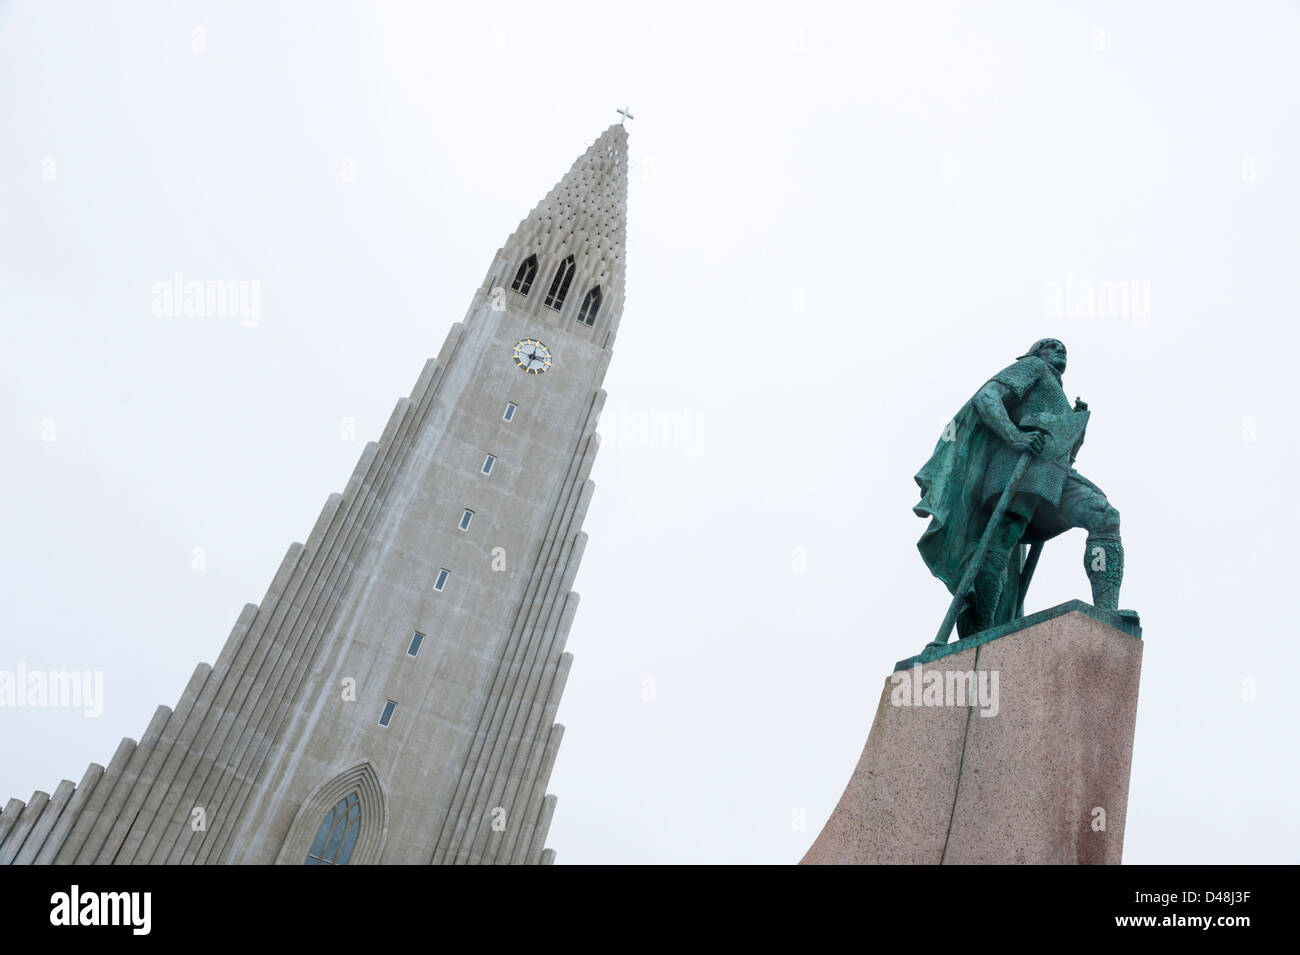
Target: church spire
x=565, y=262
x=442, y=754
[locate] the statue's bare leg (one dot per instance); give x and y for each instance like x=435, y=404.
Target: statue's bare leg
x=1085, y=505
x=992, y=575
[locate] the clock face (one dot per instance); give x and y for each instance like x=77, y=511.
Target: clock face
x=532, y=356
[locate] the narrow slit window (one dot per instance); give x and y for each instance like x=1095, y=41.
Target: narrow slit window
x=386, y=717
x=560, y=284
x=488, y=462
x=441, y=583
x=590, y=306
x=416, y=640
x=511, y=408
x=524, y=277
x=465, y=519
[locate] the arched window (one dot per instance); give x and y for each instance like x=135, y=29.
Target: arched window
x=524, y=277
x=560, y=285
x=355, y=825
x=590, y=306
x=337, y=835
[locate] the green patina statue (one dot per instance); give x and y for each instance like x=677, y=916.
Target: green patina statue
x=1001, y=481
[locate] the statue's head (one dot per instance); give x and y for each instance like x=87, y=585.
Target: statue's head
x=1050, y=350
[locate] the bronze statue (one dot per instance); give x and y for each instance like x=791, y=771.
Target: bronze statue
x=1002, y=480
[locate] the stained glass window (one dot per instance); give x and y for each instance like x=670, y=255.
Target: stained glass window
x=337, y=836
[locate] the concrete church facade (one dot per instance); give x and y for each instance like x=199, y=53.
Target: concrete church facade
x=392, y=699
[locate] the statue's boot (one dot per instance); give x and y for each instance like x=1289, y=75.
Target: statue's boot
x=1104, y=561
x=989, y=581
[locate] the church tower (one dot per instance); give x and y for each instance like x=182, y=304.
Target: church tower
x=392, y=699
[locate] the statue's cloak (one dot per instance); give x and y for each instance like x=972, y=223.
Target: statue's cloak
x=952, y=484
x=969, y=469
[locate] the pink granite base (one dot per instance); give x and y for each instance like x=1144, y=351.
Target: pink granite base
x=1042, y=779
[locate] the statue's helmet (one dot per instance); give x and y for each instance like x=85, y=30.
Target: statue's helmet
x=1038, y=346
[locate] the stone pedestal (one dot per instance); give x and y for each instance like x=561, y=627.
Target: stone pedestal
x=1030, y=767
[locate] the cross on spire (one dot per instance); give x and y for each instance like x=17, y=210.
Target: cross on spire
x=627, y=114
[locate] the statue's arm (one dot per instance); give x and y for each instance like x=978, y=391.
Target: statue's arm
x=991, y=406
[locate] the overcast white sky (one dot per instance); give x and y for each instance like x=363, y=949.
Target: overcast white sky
x=843, y=218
